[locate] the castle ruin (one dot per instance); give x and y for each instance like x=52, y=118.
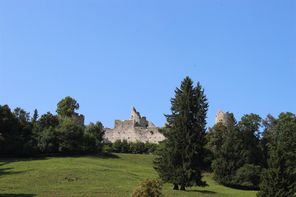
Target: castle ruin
x=139, y=129
x=136, y=129
x=222, y=117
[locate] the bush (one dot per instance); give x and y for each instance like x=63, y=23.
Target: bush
x=116, y=146
x=133, y=147
x=107, y=148
x=125, y=148
x=137, y=148
x=248, y=176
x=148, y=188
x=150, y=147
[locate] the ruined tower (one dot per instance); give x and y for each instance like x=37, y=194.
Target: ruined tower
x=222, y=117
x=137, y=119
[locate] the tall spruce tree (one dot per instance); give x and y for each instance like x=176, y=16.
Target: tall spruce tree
x=180, y=161
x=279, y=180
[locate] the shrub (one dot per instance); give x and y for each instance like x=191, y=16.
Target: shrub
x=125, y=148
x=150, y=147
x=137, y=148
x=248, y=176
x=133, y=147
x=116, y=146
x=107, y=148
x=148, y=188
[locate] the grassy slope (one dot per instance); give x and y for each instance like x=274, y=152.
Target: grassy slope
x=91, y=176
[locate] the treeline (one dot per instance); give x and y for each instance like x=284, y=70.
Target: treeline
x=123, y=146
x=255, y=153
x=237, y=151
x=249, y=154
x=63, y=133
x=22, y=135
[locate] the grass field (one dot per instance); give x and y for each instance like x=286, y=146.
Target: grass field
x=92, y=176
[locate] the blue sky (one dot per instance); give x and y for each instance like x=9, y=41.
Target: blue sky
x=113, y=54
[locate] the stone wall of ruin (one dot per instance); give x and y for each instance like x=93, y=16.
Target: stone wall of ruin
x=134, y=134
x=137, y=129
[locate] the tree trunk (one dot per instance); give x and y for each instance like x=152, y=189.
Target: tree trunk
x=182, y=188
x=176, y=187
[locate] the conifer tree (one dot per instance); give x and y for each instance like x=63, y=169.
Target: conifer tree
x=279, y=180
x=180, y=161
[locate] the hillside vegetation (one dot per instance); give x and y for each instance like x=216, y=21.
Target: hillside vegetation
x=116, y=175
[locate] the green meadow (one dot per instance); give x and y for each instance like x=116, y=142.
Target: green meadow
x=99, y=176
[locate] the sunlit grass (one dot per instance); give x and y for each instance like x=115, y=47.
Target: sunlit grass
x=92, y=176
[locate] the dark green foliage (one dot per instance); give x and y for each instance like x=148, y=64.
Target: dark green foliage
x=137, y=148
x=181, y=160
x=216, y=137
x=48, y=120
x=16, y=132
x=22, y=135
x=125, y=147
x=267, y=138
x=67, y=106
x=35, y=117
x=163, y=162
x=93, y=137
x=116, y=146
x=249, y=128
x=133, y=147
x=25, y=132
x=148, y=188
x=9, y=128
x=107, y=148
x=248, y=177
x=48, y=141
x=279, y=179
x=121, y=146
x=229, y=158
x=150, y=147
x=236, y=151
x=70, y=136
x=45, y=131
x=208, y=160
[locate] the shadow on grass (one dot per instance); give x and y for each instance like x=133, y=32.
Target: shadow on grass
x=17, y=195
x=201, y=191
x=6, y=160
x=240, y=187
x=6, y=171
x=95, y=156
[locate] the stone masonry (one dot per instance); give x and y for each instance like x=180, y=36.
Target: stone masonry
x=136, y=129
x=222, y=117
